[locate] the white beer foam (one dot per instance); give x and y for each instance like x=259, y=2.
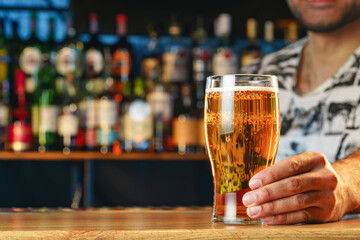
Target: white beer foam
x=242, y=89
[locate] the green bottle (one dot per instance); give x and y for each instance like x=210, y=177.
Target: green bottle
x=48, y=108
x=47, y=99
x=138, y=120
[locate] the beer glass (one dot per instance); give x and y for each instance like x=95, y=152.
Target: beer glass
x=242, y=128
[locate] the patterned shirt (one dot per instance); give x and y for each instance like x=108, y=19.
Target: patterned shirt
x=326, y=119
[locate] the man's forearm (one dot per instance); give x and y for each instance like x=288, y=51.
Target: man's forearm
x=348, y=170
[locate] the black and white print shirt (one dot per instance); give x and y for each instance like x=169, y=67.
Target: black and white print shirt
x=328, y=118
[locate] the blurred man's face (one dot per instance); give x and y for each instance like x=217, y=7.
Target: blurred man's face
x=325, y=15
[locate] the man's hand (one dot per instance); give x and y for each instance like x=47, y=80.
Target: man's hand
x=303, y=188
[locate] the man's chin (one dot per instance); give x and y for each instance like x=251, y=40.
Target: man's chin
x=328, y=27
x=322, y=28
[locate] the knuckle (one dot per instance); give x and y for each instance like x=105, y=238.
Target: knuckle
x=294, y=184
x=331, y=198
x=304, y=216
x=266, y=194
x=296, y=217
x=281, y=219
x=270, y=208
x=313, y=181
x=323, y=217
x=320, y=158
x=333, y=181
x=294, y=165
x=300, y=200
x=328, y=208
x=272, y=176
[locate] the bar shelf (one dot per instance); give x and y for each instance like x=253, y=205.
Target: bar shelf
x=79, y=156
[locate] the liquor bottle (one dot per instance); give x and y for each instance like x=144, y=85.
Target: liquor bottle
x=30, y=61
x=225, y=61
x=291, y=33
x=4, y=124
x=68, y=123
x=122, y=71
x=201, y=68
x=107, y=109
x=94, y=59
x=69, y=72
x=92, y=86
x=185, y=122
x=10, y=97
x=48, y=107
x=69, y=60
x=138, y=120
x=4, y=62
x=87, y=139
x=15, y=47
x=269, y=45
x=158, y=95
x=176, y=66
x=150, y=63
x=20, y=132
x=45, y=109
x=176, y=57
x=122, y=55
x=161, y=103
x=201, y=63
x=51, y=46
x=4, y=87
x=126, y=99
x=252, y=51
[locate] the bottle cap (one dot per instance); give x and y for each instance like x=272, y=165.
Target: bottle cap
x=269, y=31
x=93, y=16
x=223, y=25
x=292, y=32
x=251, y=26
x=121, y=18
x=174, y=27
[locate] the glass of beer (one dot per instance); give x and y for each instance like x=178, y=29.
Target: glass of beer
x=242, y=128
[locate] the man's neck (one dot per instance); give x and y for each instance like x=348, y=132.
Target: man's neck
x=324, y=54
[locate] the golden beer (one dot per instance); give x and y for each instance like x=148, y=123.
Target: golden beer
x=242, y=129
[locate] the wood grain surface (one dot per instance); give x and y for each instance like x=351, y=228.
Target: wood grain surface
x=180, y=223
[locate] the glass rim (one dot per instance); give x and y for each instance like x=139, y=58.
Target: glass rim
x=244, y=81
x=268, y=76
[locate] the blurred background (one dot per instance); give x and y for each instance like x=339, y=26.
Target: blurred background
x=119, y=80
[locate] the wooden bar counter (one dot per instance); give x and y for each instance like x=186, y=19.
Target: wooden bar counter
x=175, y=223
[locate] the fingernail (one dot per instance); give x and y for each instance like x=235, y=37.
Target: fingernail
x=253, y=211
x=255, y=183
x=268, y=219
x=249, y=198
